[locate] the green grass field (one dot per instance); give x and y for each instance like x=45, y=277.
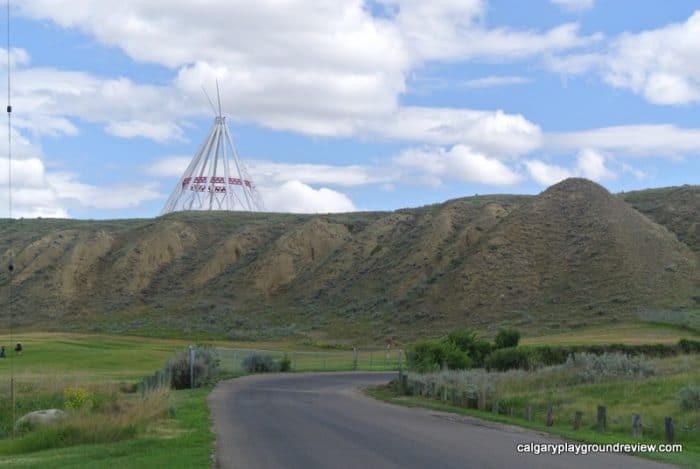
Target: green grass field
x=53, y=361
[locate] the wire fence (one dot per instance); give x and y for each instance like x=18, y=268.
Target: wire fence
x=335, y=360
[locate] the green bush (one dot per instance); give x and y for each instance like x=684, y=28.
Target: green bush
x=507, y=338
x=689, y=346
x=285, y=364
x=509, y=359
x=431, y=355
x=689, y=397
x=468, y=341
x=547, y=356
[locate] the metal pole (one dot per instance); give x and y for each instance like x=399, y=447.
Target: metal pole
x=191, y=367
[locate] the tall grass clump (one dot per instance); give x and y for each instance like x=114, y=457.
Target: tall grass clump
x=591, y=368
x=689, y=397
x=114, y=420
x=206, y=365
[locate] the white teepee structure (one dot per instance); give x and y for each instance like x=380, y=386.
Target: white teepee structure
x=216, y=178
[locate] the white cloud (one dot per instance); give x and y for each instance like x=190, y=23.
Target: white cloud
x=574, y=5
x=546, y=174
x=348, y=176
x=491, y=81
x=76, y=194
x=495, y=133
x=460, y=163
x=169, y=166
x=46, y=99
x=591, y=164
x=660, y=64
x=271, y=172
x=38, y=192
x=160, y=132
x=453, y=30
x=319, y=68
x=297, y=197
x=630, y=140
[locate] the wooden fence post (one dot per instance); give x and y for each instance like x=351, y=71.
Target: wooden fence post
x=577, y=419
x=601, y=419
x=668, y=427
x=636, y=425
x=528, y=413
x=550, y=415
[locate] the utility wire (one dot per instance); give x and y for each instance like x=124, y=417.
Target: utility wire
x=10, y=266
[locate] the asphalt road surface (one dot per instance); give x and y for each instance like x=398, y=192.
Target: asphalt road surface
x=323, y=421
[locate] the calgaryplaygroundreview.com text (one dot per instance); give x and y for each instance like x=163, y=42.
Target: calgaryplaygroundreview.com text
x=586, y=448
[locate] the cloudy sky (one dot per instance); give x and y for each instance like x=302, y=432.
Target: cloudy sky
x=344, y=105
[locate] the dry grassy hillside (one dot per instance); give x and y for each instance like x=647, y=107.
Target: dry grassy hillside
x=571, y=256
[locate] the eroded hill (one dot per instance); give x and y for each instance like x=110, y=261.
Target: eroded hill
x=570, y=256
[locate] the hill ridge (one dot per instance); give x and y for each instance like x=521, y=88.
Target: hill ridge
x=573, y=255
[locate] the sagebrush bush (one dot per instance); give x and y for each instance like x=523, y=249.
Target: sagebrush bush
x=591, y=368
x=507, y=338
x=206, y=364
x=511, y=358
x=469, y=383
x=259, y=363
x=689, y=397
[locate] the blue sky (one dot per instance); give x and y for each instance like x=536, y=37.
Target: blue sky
x=350, y=105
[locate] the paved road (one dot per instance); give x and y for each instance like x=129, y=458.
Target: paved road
x=322, y=421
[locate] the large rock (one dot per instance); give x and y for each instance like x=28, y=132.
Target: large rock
x=39, y=418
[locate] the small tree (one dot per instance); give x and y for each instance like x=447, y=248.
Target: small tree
x=469, y=342
x=507, y=338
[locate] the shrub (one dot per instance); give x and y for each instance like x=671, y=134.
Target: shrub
x=77, y=398
x=689, y=346
x=468, y=341
x=509, y=359
x=258, y=363
x=206, y=364
x=430, y=355
x=689, y=397
x=547, y=356
x=507, y=338
x=285, y=364
x=592, y=368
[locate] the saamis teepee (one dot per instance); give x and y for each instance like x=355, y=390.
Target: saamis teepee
x=216, y=178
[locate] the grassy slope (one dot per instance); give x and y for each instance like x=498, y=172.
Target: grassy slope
x=183, y=442
x=570, y=257
x=689, y=458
